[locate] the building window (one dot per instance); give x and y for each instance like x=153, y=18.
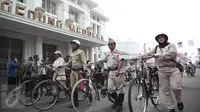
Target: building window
x=93, y=17
x=99, y=56
x=53, y=9
x=49, y=6
x=98, y=20
x=74, y=16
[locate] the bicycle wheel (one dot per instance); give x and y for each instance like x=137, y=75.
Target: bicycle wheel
x=25, y=93
x=137, y=100
x=154, y=90
x=91, y=95
x=51, y=92
x=13, y=97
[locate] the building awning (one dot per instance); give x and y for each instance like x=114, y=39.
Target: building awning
x=24, y=25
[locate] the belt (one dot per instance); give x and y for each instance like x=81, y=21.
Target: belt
x=77, y=69
x=112, y=69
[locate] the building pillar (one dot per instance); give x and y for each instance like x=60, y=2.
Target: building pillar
x=87, y=53
x=91, y=57
x=69, y=49
x=101, y=52
x=37, y=3
x=38, y=47
x=27, y=49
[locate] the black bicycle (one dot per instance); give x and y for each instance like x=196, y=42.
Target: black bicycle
x=146, y=85
x=94, y=90
x=53, y=90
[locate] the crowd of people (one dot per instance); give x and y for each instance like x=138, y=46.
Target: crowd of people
x=164, y=58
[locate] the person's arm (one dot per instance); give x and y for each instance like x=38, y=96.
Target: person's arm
x=153, y=51
x=170, y=54
x=15, y=65
x=121, y=62
x=83, y=59
x=69, y=63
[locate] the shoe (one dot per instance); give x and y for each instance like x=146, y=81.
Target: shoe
x=180, y=106
x=171, y=110
x=114, y=105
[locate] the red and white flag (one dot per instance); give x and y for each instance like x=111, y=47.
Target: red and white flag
x=180, y=44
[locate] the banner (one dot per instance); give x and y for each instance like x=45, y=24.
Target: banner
x=190, y=43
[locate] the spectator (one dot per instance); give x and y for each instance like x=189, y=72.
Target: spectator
x=12, y=74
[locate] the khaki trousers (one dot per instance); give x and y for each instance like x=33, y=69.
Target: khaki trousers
x=74, y=77
x=115, y=84
x=170, y=80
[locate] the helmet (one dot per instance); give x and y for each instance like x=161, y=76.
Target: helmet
x=162, y=35
x=58, y=52
x=76, y=42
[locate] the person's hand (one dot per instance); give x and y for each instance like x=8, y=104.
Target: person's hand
x=156, y=55
x=117, y=74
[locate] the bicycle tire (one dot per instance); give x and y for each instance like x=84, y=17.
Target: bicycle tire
x=11, y=95
x=152, y=80
x=76, y=86
x=134, y=82
x=55, y=97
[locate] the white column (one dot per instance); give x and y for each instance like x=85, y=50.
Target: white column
x=69, y=49
x=37, y=3
x=101, y=52
x=91, y=56
x=87, y=53
x=38, y=47
x=27, y=49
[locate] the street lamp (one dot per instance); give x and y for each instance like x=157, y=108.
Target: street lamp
x=39, y=12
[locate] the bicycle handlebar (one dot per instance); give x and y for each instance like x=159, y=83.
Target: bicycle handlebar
x=142, y=57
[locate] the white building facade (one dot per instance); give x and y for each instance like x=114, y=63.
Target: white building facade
x=26, y=29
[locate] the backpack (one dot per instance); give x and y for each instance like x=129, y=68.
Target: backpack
x=178, y=65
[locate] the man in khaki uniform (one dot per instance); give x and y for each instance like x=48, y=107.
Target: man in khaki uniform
x=169, y=75
x=114, y=62
x=77, y=62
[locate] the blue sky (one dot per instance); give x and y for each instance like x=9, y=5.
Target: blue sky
x=142, y=20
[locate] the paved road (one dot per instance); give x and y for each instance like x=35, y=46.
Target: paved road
x=191, y=98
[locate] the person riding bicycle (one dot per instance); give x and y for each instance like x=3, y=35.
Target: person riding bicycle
x=192, y=67
x=115, y=62
x=169, y=74
x=77, y=62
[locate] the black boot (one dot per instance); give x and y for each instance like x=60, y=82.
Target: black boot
x=120, y=103
x=114, y=96
x=75, y=100
x=180, y=106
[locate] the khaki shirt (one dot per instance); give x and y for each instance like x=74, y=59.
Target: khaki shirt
x=113, y=58
x=165, y=55
x=77, y=59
